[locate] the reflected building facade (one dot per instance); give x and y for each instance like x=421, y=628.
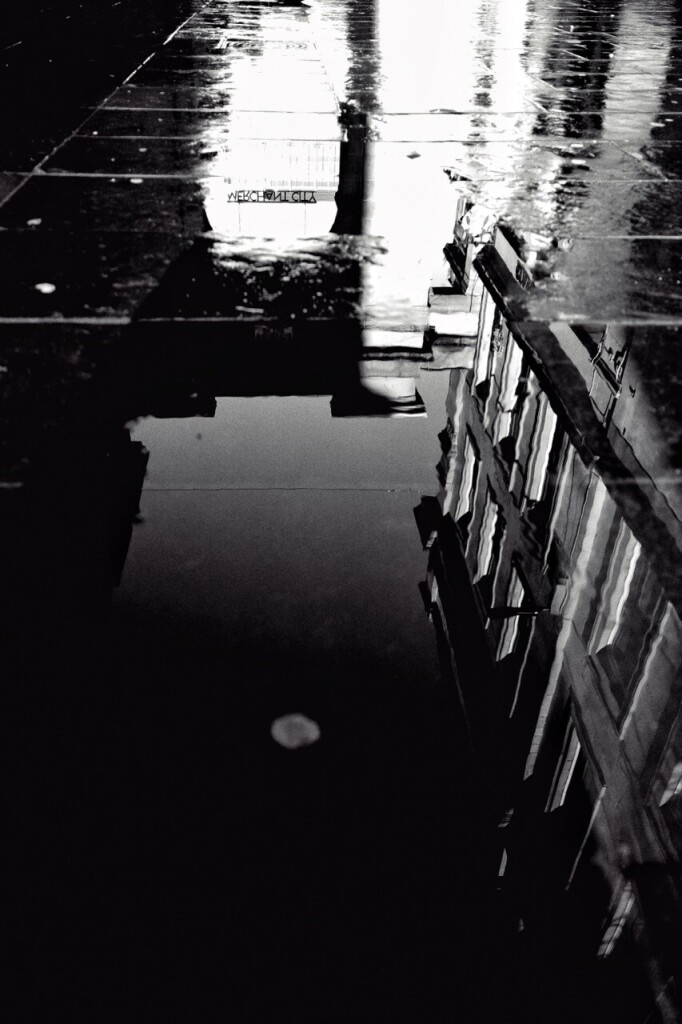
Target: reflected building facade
x=67, y=531
x=558, y=623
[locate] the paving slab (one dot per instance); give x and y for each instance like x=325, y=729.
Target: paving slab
x=64, y=275
x=86, y=204
x=252, y=279
x=626, y=280
x=566, y=208
x=222, y=99
x=212, y=124
x=9, y=183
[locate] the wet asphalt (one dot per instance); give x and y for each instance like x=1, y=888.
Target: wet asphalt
x=171, y=860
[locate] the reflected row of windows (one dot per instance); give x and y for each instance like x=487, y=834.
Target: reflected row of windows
x=622, y=606
x=539, y=529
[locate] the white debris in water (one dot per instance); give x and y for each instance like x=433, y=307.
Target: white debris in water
x=46, y=288
x=34, y=222
x=136, y=181
x=294, y=731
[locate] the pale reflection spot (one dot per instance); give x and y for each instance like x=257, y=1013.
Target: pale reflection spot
x=294, y=731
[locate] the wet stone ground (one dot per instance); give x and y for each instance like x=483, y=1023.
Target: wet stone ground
x=339, y=364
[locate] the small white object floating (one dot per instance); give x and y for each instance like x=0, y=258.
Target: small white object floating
x=294, y=731
x=46, y=288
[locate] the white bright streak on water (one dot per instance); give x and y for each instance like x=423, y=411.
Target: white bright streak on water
x=409, y=202
x=412, y=209
x=421, y=68
x=282, y=96
x=511, y=86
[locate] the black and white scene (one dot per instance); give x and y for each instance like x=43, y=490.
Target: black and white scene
x=341, y=505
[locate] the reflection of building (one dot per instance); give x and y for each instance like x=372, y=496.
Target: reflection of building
x=618, y=377
x=67, y=532
x=565, y=648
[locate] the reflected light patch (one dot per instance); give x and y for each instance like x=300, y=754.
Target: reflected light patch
x=294, y=731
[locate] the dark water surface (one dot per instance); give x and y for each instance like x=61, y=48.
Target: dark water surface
x=339, y=362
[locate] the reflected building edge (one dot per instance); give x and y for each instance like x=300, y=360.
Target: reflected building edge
x=553, y=587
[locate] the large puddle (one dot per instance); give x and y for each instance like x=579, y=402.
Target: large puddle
x=342, y=479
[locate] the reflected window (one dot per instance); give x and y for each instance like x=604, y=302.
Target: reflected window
x=467, y=487
x=488, y=319
x=652, y=683
x=617, y=588
x=484, y=557
x=674, y=787
x=623, y=606
x=490, y=539
x=509, y=382
x=515, y=596
x=618, y=921
x=630, y=636
x=541, y=443
x=565, y=770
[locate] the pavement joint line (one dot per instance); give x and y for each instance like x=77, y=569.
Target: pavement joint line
x=186, y=21
x=511, y=138
x=201, y=175
x=57, y=321
x=325, y=68
x=53, y=230
x=639, y=238
x=566, y=180
x=126, y=175
x=212, y=110
x=259, y=319
x=620, y=146
x=199, y=138
x=134, y=72
x=27, y=176
x=622, y=320
x=190, y=488
x=132, y=319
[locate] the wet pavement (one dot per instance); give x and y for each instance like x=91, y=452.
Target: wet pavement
x=343, y=523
